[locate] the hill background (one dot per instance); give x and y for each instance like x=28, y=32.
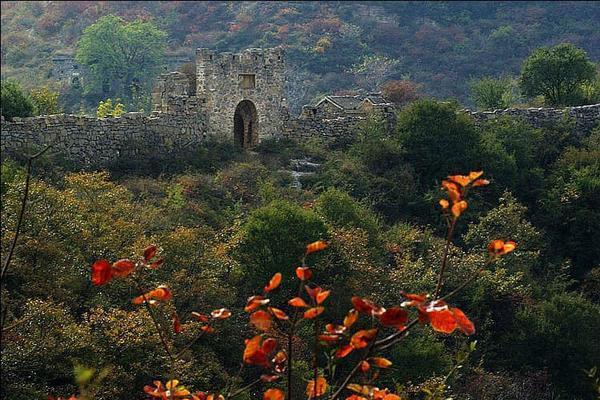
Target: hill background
x=438, y=45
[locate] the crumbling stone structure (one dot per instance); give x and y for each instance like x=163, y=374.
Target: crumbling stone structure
x=241, y=95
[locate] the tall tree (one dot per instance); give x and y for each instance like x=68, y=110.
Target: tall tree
x=557, y=73
x=120, y=55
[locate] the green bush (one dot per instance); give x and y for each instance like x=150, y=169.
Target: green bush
x=273, y=239
x=14, y=102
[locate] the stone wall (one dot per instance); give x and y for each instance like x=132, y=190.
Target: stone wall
x=94, y=142
x=585, y=118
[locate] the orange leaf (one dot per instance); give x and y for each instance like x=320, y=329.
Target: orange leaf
x=207, y=329
x=351, y=318
x=381, y=362
x=414, y=299
x=444, y=204
x=101, y=272
x=394, y=317
x=279, y=314
x=122, y=267
x=261, y=320
x=481, y=182
x=273, y=394
x=316, y=246
x=269, y=345
x=344, y=351
x=221, y=313
x=269, y=378
x=303, y=273
x=297, y=302
x=274, y=282
x=461, y=180
x=362, y=338
x=254, y=302
x=338, y=329
x=459, y=208
x=161, y=293
x=474, y=175
x=149, y=252
x=499, y=247
x=316, y=390
x=313, y=312
x=355, y=397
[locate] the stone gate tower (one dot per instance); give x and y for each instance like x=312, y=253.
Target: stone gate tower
x=243, y=93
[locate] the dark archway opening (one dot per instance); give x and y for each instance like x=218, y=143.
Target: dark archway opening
x=245, y=124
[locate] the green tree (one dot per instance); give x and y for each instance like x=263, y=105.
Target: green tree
x=490, y=93
x=557, y=73
x=120, y=54
x=14, y=102
x=45, y=101
x=437, y=139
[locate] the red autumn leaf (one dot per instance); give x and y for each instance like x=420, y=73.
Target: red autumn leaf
x=364, y=366
x=274, y=282
x=157, y=263
x=200, y=317
x=122, y=267
x=253, y=353
x=441, y=319
x=279, y=314
x=362, y=338
x=273, y=394
x=101, y=272
x=481, y=182
x=351, y=318
x=414, y=300
x=279, y=361
x=269, y=378
x=395, y=316
x=317, y=294
x=316, y=246
x=207, y=329
x=329, y=338
x=366, y=306
x=176, y=323
x=313, y=312
x=221, y=313
x=254, y=302
x=261, y=320
x=269, y=345
x=322, y=296
x=149, y=252
x=297, y=302
x=355, y=397
x=344, y=351
x=303, y=273
x=337, y=329
x=316, y=390
x=464, y=324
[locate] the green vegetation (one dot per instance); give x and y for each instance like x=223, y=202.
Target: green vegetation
x=122, y=57
x=15, y=103
x=558, y=74
x=490, y=94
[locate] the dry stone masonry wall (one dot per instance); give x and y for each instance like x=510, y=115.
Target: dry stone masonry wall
x=232, y=97
x=585, y=118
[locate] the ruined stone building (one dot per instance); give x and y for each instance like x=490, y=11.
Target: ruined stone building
x=240, y=95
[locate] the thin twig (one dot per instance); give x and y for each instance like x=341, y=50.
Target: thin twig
x=156, y=325
x=243, y=389
x=440, y=281
x=30, y=160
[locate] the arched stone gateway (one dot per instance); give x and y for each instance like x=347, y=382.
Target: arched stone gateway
x=245, y=124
